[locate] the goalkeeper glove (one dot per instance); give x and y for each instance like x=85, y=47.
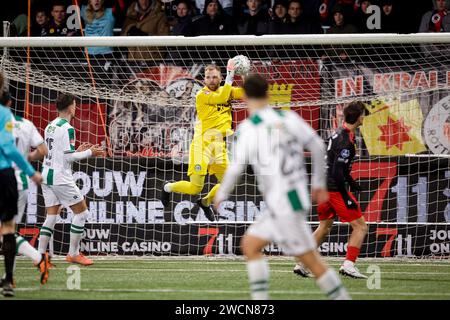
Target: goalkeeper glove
x=231, y=68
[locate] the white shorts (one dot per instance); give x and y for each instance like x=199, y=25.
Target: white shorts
x=291, y=232
x=65, y=194
x=21, y=205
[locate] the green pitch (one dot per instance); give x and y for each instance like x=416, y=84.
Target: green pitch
x=223, y=278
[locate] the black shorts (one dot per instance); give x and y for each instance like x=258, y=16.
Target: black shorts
x=8, y=195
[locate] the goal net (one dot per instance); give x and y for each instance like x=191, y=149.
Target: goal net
x=139, y=103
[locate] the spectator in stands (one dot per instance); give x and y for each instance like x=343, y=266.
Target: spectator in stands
x=183, y=24
x=145, y=18
x=170, y=9
x=183, y=27
x=297, y=22
x=19, y=26
x=279, y=11
x=389, y=20
x=119, y=10
x=437, y=20
x=324, y=8
x=227, y=6
x=361, y=17
x=339, y=53
x=213, y=21
x=99, y=22
x=255, y=20
x=340, y=24
x=40, y=25
x=58, y=24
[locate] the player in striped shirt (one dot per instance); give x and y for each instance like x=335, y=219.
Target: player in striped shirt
x=58, y=187
x=26, y=136
x=272, y=141
x=9, y=194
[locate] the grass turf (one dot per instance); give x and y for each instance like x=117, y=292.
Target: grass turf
x=215, y=278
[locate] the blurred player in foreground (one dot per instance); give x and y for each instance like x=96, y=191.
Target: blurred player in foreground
x=9, y=195
x=342, y=203
x=208, y=150
x=58, y=187
x=26, y=136
x=272, y=142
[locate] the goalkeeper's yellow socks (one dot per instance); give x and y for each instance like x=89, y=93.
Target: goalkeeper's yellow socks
x=210, y=196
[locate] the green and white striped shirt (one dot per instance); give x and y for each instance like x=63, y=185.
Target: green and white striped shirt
x=60, y=140
x=26, y=136
x=272, y=142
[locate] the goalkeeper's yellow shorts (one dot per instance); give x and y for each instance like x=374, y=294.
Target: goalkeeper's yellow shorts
x=207, y=156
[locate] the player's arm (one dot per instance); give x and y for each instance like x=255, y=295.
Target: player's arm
x=9, y=149
x=354, y=186
x=37, y=142
x=93, y=151
x=70, y=155
x=241, y=155
x=339, y=169
x=213, y=98
x=237, y=93
x=39, y=153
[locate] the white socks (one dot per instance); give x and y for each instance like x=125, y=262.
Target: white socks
x=258, y=275
x=330, y=283
x=24, y=248
x=76, y=232
x=46, y=232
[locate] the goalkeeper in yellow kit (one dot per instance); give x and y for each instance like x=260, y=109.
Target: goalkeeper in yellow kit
x=208, y=151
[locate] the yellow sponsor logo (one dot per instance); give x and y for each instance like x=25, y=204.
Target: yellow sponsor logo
x=280, y=95
x=9, y=126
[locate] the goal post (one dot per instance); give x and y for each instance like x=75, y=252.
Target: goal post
x=139, y=102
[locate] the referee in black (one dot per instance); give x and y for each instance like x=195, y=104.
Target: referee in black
x=8, y=193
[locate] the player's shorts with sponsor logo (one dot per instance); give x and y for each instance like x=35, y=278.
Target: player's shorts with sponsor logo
x=290, y=231
x=8, y=194
x=335, y=206
x=65, y=194
x=208, y=156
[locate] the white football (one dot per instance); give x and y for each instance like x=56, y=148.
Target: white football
x=243, y=65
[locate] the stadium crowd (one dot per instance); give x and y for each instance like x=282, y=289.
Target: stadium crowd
x=225, y=17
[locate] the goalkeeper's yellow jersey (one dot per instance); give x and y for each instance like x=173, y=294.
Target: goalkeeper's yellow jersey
x=214, y=109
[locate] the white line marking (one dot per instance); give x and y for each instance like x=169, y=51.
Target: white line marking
x=385, y=272
x=272, y=260
x=169, y=290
